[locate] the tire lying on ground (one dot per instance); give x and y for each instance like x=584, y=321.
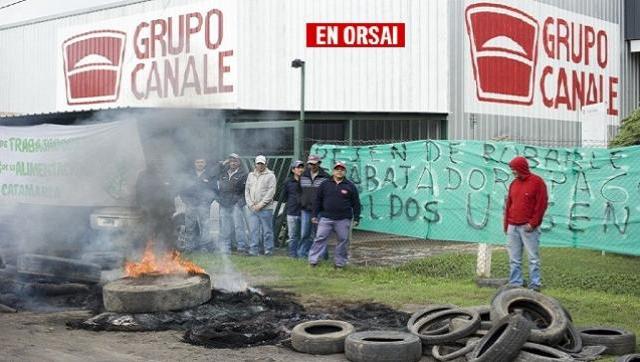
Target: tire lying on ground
x=106, y=259
x=446, y=316
x=485, y=315
x=58, y=268
x=635, y=357
x=382, y=346
x=533, y=352
x=618, y=341
x=550, y=320
x=436, y=329
x=503, y=341
x=451, y=352
x=571, y=341
x=156, y=293
x=321, y=337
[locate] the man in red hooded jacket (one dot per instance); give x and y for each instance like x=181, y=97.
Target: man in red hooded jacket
x=526, y=204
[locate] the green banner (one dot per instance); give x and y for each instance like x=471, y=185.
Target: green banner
x=455, y=190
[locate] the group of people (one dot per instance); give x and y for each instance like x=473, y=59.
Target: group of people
x=317, y=204
x=243, y=197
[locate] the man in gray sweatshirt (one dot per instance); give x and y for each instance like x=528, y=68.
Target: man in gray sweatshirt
x=259, y=192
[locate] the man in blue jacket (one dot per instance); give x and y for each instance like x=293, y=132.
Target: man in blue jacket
x=231, y=183
x=337, y=206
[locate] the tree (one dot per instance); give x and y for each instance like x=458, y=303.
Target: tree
x=629, y=134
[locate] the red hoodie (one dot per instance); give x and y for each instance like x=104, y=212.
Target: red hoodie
x=527, y=199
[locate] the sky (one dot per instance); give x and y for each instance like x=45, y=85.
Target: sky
x=32, y=9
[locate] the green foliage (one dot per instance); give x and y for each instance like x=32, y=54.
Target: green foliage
x=629, y=134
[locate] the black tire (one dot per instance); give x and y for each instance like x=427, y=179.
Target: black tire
x=503, y=342
x=571, y=341
x=485, y=315
x=503, y=289
x=382, y=346
x=426, y=312
x=551, y=320
x=58, y=268
x=533, y=352
x=446, y=316
x=455, y=351
x=106, y=259
x=618, y=341
x=635, y=357
x=320, y=337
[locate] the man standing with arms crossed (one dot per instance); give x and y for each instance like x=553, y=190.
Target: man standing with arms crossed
x=524, y=210
x=337, y=205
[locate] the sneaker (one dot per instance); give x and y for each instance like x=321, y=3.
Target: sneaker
x=313, y=265
x=338, y=267
x=535, y=288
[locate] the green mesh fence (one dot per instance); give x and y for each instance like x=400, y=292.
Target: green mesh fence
x=455, y=190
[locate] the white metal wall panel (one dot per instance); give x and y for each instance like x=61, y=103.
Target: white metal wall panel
x=410, y=79
x=271, y=34
x=533, y=128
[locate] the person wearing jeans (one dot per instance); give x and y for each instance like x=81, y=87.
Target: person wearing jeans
x=291, y=195
x=337, y=206
x=258, y=193
x=231, y=186
x=310, y=181
x=525, y=207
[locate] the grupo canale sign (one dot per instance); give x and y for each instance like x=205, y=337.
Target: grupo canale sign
x=181, y=56
x=525, y=58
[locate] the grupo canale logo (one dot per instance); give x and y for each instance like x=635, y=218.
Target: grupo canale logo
x=573, y=62
x=181, y=54
x=93, y=66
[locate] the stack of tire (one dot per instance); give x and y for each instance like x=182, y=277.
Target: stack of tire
x=519, y=325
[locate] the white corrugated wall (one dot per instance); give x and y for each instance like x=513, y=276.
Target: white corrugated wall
x=271, y=35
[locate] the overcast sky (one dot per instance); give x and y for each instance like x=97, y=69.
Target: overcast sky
x=31, y=9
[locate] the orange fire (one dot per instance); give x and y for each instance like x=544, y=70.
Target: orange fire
x=169, y=263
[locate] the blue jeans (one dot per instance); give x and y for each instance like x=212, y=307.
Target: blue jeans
x=307, y=233
x=261, y=227
x=518, y=238
x=233, y=218
x=293, y=228
x=319, y=247
x=197, y=218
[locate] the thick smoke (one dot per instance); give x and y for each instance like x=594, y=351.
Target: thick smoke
x=171, y=139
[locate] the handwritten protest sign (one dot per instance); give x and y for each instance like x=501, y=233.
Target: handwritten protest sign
x=89, y=165
x=455, y=190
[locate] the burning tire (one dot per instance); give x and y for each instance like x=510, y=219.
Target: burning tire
x=58, y=268
x=320, y=337
x=379, y=346
x=156, y=293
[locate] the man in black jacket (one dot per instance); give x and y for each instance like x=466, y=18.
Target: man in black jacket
x=291, y=196
x=310, y=181
x=337, y=206
x=231, y=182
x=198, y=195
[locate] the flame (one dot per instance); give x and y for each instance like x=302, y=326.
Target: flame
x=169, y=263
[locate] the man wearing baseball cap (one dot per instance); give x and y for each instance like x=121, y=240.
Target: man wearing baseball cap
x=291, y=195
x=337, y=206
x=310, y=181
x=231, y=184
x=258, y=193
